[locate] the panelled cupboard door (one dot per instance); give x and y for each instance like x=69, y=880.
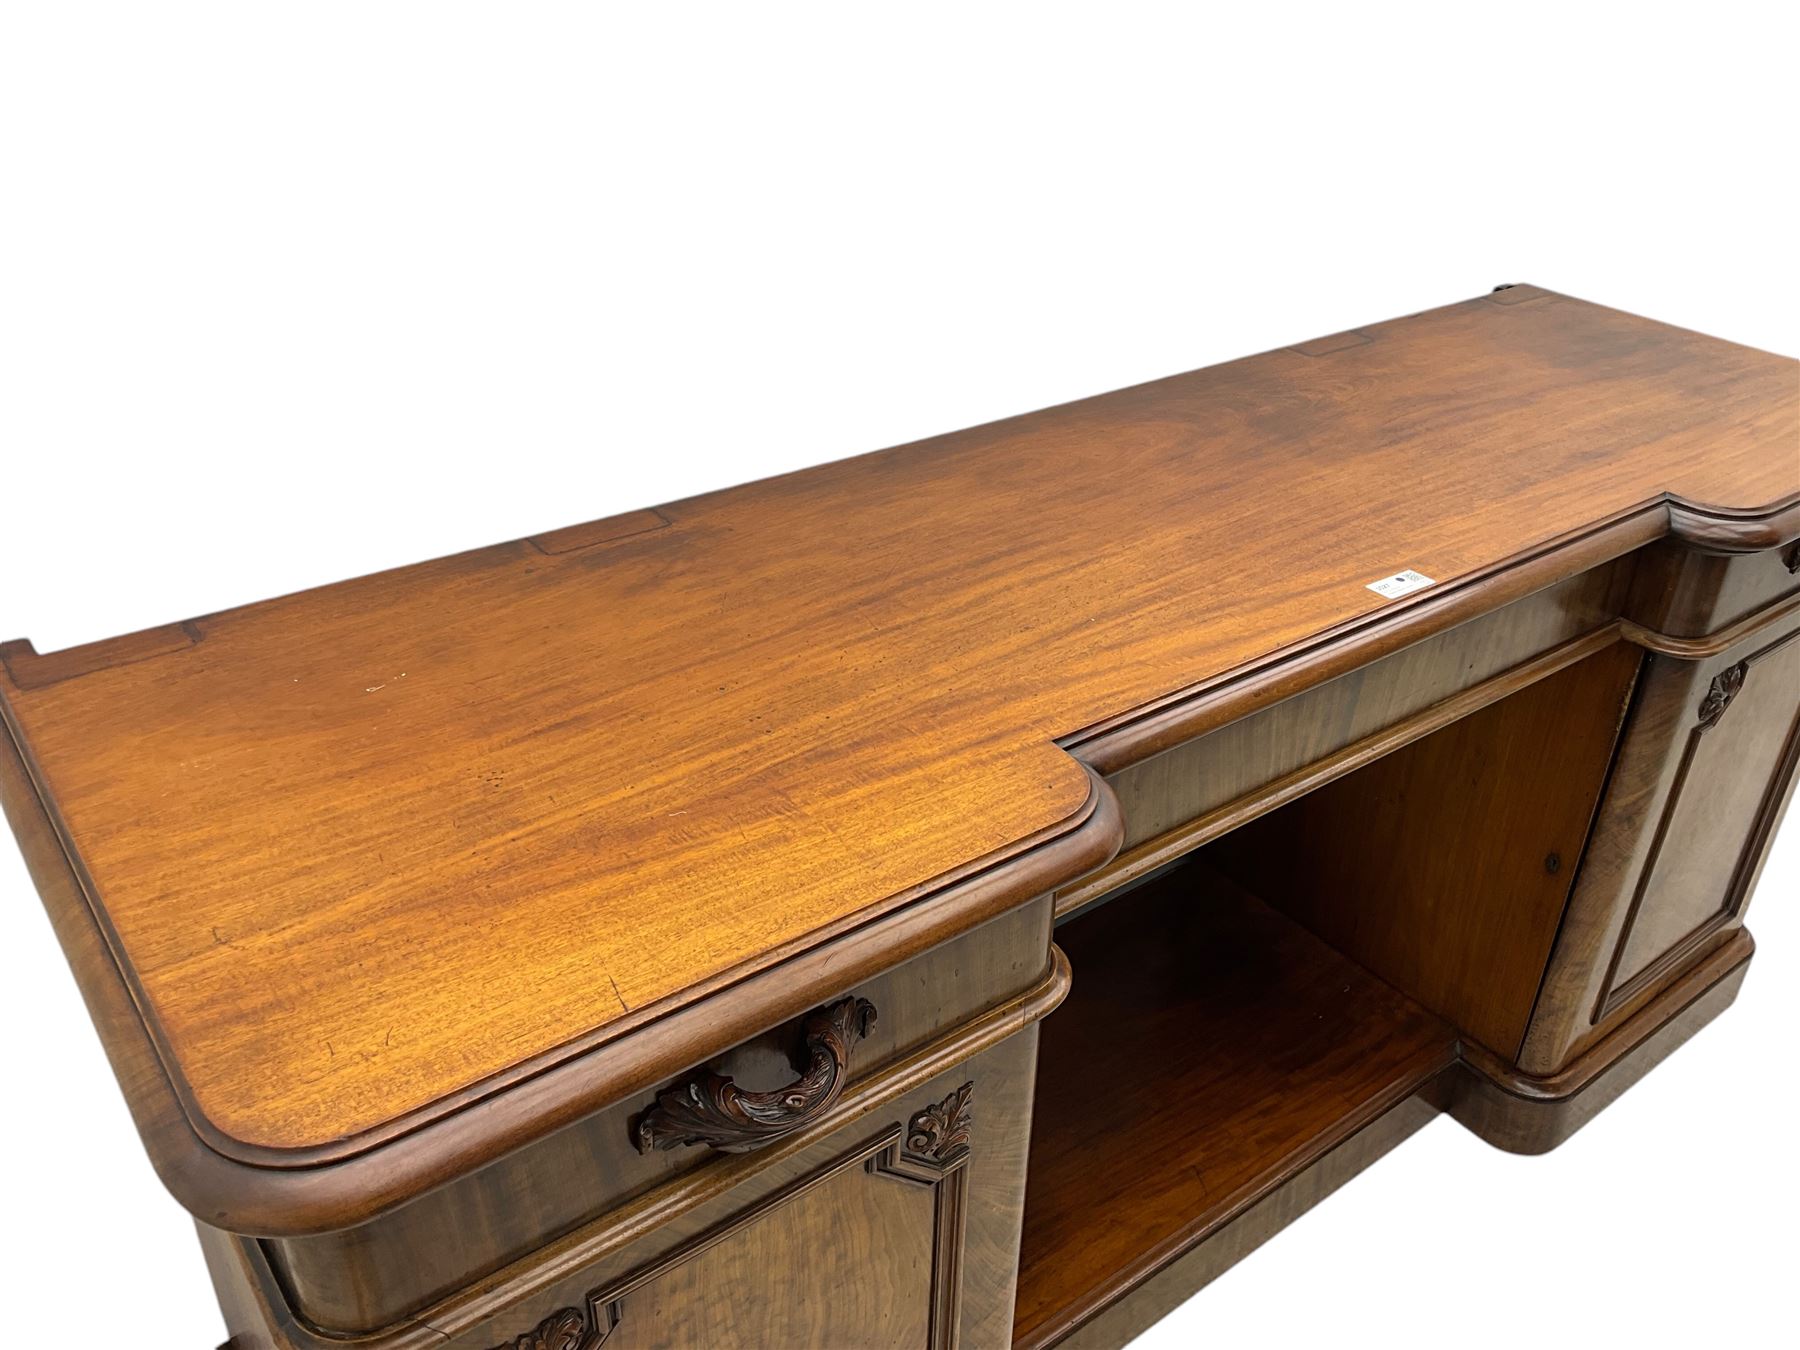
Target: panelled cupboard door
x=862, y=1251
x=1732, y=771
x=1705, y=767
x=898, y=1229
x=895, y=1225
x=849, y=1262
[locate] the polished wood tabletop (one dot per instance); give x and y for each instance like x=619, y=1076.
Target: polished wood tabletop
x=370, y=855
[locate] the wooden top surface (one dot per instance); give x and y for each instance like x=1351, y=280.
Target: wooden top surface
x=368, y=850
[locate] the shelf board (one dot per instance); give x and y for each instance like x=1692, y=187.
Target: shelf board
x=1210, y=1051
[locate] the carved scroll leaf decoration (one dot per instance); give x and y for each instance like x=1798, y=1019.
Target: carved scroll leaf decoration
x=708, y=1108
x=569, y=1329
x=1791, y=559
x=1724, y=688
x=941, y=1132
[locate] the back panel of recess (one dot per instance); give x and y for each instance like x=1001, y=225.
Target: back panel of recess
x=1444, y=867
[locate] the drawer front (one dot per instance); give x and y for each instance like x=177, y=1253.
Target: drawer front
x=897, y=1230
x=1182, y=797
x=387, y=1270
x=1684, y=594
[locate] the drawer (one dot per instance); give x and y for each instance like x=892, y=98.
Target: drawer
x=1681, y=593
x=744, y=1100
x=897, y=1226
x=1178, y=800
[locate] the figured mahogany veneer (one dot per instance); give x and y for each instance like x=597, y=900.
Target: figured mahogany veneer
x=490, y=949
x=1243, y=1050
x=811, y=721
x=1460, y=850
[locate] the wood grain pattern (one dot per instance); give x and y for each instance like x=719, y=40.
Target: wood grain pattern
x=953, y=1255
x=608, y=786
x=1772, y=616
x=597, y=532
x=341, y=1194
x=383, y=1271
x=1161, y=1293
x=1527, y=1113
x=1169, y=785
x=1705, y=768
x=1683, y=593
x=934, y=1152
x=1690, y=886
x=599, y=1264
x=1444, y=867
x=1208, y=771
x=1212, y=1050
x=859, y=1256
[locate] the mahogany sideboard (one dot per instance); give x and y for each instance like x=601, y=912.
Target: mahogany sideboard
x=965, y=895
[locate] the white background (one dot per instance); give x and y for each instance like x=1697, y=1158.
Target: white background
x=293, y=293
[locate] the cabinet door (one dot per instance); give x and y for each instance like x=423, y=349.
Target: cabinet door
x=861, y=1253
x=896, y=1226
x=1704, y=770
x=1735, y=762
x=863, y=1246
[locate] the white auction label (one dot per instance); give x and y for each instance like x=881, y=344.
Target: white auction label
x=1401, y=583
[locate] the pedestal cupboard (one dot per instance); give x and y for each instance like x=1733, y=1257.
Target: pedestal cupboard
x=966, y=895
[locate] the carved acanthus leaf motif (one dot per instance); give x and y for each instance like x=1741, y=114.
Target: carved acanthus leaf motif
x=709, y=1108
x=1724, y=688
x=570, y=1329
x=941, y=1132
x=1791, y=559
x=563, y=1330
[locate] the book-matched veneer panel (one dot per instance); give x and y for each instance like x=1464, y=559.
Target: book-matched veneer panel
x=1212, y=1050
x=1445, y=866
x=1731, y=773
x=1705, y=767
x=896, y=1226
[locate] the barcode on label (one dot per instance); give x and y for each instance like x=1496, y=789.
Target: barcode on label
x=1401, y=583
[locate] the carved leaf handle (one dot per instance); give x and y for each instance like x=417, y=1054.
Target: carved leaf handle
x=708, y=1108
